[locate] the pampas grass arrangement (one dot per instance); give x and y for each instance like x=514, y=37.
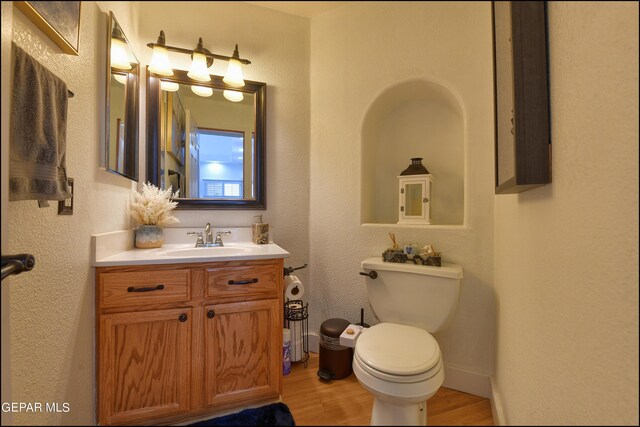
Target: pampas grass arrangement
x=153, y=206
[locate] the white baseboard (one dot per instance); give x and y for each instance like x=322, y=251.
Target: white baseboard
x=467, y=381
x=496, y=405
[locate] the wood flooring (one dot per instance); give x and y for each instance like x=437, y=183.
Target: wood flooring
x=346, y=403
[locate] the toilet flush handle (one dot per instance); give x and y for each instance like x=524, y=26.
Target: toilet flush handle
x=373, y=274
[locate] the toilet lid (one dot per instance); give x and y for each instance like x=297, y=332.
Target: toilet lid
x=398, y=349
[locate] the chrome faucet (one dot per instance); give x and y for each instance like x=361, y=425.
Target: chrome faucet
x=208, y=235
x=207, y=240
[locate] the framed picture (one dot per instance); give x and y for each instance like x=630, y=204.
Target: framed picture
x=522, y=132
x=59, y=20
x=176, y=132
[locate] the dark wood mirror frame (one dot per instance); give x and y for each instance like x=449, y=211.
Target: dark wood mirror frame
x=129, y=166
x=529, y=122
x=259, y=90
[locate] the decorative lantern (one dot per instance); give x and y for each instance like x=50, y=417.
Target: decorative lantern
x=415, y=194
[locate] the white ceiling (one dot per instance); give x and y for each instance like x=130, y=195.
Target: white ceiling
x=306, y=9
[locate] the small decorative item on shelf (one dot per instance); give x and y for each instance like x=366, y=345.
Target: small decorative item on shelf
x=425, y=256
x=415, y=194
x=395, y=253
x=391, y=255
x=152, y=209
x=428, y=256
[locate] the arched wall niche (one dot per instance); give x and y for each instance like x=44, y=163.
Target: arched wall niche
x=416, y=118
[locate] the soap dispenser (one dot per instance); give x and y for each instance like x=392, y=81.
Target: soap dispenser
x=260, y=231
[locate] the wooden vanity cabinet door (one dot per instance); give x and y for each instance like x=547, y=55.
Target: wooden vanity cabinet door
x=243, y=349
x=145, y=362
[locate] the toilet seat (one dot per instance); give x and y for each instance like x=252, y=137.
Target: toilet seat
x=416, y=378
x=398, y=353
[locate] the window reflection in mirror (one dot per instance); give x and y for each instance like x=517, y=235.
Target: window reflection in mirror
x=208, y=150
x=122, y=104
x=208, y=141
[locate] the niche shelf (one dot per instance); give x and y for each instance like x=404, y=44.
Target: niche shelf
x=415, y=118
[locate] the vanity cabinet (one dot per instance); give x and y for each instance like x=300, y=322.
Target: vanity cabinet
x=183, y=341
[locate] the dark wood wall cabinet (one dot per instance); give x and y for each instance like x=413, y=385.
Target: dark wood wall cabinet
x=522, y=132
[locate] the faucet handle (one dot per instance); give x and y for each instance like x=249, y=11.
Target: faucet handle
x=219, y=237
x=200, y=240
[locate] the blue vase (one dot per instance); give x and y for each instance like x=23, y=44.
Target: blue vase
x=149, y=236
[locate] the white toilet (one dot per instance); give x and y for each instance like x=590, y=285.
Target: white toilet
x=398, y=360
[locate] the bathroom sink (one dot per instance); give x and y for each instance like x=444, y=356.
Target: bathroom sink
x=207, y=251
x=114, y=249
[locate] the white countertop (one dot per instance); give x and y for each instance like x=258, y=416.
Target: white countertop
x=116, y=249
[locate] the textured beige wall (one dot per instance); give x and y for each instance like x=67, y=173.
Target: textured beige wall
x=52, y=322
x=7, y=21
x=358, y=51
x=566, y=255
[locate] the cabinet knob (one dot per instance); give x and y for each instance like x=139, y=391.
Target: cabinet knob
x=183, y=317
x=210, y=314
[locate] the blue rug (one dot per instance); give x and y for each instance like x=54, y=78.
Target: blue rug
x=276, y=414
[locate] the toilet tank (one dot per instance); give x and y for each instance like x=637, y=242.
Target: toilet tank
x=414, y=295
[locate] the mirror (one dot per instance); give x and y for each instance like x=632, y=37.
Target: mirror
x=210, y=148
x=123, y=76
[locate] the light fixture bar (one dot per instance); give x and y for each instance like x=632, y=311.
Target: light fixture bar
x=207, y=53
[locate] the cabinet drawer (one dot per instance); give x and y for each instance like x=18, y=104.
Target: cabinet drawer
x=247, y=280
x=144, y=287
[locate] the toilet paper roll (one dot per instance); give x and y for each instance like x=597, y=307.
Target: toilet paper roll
x=293, y=287
x=296, y=340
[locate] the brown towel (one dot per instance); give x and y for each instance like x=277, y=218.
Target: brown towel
x=37, y=169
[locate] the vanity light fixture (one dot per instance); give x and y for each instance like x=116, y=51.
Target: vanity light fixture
x=119, y=56
x=198, y=70
x=202, y=90
x=120, y=78
x=233, y=95
x=160, y=64
x=169, y=86
x=201, y=60
x=234, y=71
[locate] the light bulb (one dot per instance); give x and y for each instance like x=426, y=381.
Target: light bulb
x=119, y=57
x=233, y=95
x=198, y=70
x=120, y=78
x=234, y=74
x=169, y=86
x=160, y=64
x=202, y=90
